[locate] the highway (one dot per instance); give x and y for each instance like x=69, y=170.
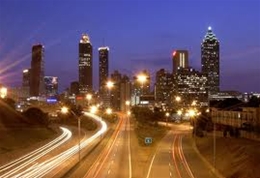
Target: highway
x=175, y=157
x=40, y=163
x=115, y=160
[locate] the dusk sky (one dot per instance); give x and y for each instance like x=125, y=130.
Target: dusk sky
x=141, y=34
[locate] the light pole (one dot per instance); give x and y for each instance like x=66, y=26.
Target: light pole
x=88, y=97
x=109, y=85
x=65, y=110
x=142, y=79
x=167, y=116
x=3, y=92
x=192, y=114
x=214, y=139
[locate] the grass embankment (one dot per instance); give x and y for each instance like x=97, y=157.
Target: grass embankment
x=142, y=152
x=14, y=139
x=235, y=157
x=18, y=132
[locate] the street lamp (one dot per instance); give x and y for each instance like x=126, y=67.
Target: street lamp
x=65, y=110
x=167, y=115
x=178, y=98
x=93, y=109
x=88, y=97
x=142, y=79
x=3, y=92
x=192, y=113
x=109, y=85
x=109, y=111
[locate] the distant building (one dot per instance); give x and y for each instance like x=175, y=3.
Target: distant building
x=180, y=59
x=164, y=87
x=210, y=61
x=125, y=93
x=191, y=86
x=26, y=83
x=37, y=71
x=222, y=95
x=140, y=88
x=51, y=85
x=74, y=88
x=103, y=67
x=85, y=65
x=116, y=78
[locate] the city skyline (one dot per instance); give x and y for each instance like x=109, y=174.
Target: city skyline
x=134, y=44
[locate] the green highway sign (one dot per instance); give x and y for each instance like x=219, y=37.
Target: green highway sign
x=148, y=140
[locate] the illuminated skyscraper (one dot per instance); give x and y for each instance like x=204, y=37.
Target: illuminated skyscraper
x=37, y=71
x=103, y=67
x=26, y=83
x=191, y=85
x=51, y=85
x=26, y=78
x=210, y=60
x=164, y=86
x=85, y=65
x=180, y=59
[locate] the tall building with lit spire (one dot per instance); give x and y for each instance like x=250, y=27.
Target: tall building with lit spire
x=210, y=61
x=85, y=65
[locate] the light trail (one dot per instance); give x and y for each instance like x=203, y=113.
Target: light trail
x=42, y=169
x=20, y=163
x=177, y=144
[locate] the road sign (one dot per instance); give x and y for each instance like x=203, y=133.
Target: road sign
x=148, y=140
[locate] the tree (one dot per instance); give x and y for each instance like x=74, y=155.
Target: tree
x=36, y=116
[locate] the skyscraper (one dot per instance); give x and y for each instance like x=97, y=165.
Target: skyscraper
x=103, y=67
x=85, y=65
x=210, y=60
x=191, y=85
x=164, y=86
x=26, y=83
x=37, y=71
x=26, y=78
x=180, y=59
x=51, y=85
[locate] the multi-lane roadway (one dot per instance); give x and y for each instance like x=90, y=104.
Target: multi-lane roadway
x=47, y=161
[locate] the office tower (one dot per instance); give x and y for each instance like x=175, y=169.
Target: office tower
x=191, y=85
x=164, y=86
x=51, y=85
x=210, y=60
x=26, y=78
x=180, y=59
x=37, y=71
x=85, y=65
x=116, y=78
x=103, y=67
x=74, y=88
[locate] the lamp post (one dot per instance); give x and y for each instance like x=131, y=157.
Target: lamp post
x=142, y=79
x=109, y=85
x=167, y=116
x=88, y=97
x=192, y=114
x=65, y=110
x=127, y=103
x=3, y=92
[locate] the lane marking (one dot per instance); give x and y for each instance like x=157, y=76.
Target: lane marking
x=150, y=167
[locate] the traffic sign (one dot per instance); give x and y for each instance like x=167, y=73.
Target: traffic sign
x=148, y=140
